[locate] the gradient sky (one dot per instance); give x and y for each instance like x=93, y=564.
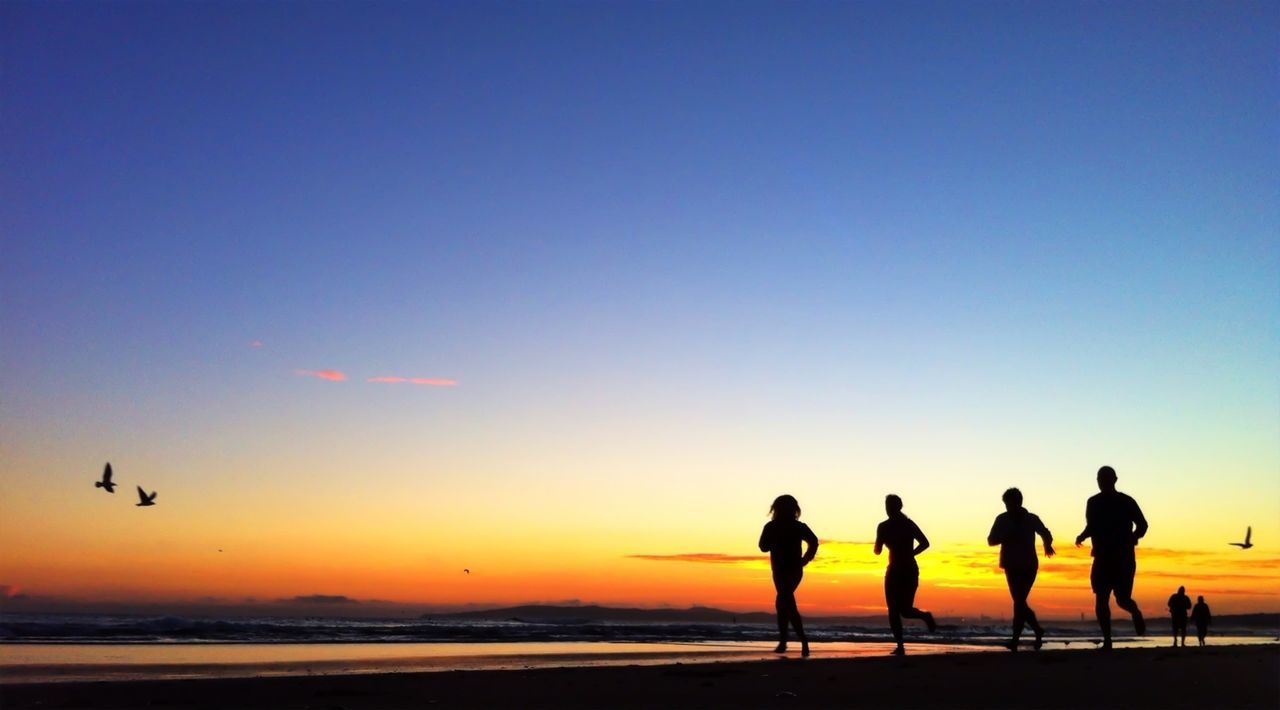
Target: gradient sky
x=651, y=265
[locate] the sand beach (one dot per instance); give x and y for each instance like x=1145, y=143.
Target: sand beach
x=1227, y=676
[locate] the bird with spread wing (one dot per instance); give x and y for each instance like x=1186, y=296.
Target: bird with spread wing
x=145, y=499
x=106, y=481
x=1248, y=535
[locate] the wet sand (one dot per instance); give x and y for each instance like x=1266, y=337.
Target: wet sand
x=1221, y=676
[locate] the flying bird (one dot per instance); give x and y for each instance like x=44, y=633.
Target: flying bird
x=467, y=571
x=106, y=481
x=144, y=499
x=1248, y=533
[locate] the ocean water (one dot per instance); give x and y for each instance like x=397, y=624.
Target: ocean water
x=70, y=628
x=41, y=648
x=90, y=629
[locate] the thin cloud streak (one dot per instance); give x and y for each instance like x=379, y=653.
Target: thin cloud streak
x=331, y=375
x=704, y=557
x=431, y=381
x=834, y=555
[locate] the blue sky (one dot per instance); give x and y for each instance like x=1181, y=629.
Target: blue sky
x=821, y=234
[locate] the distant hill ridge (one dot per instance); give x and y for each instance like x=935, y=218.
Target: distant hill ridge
x=592, y=612
x=694, y=614
x=702, y=614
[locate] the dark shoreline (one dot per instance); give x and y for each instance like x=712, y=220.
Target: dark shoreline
x=1223, y=676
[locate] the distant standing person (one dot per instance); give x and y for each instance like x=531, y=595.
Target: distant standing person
x=1179, y=605
x=1115, y=523
x=781, y=538
x=1015, y=532
x=1200, y=615
x=902, y=578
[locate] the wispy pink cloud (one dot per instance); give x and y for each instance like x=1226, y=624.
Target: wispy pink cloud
x=331, y=375
x=255, y=344
x=432, y=381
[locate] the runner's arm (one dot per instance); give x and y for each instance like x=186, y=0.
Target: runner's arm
x=924, y=541
x=996, y=536
x=1046, y=536
x=1088, y=525
x=811, y=543
x=1140, y=523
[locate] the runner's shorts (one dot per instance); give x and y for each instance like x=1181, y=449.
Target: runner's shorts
x=1114, y=574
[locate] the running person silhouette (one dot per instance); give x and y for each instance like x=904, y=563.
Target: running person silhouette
x=781, y=538
x=1201, y=616
x=1015, y=532
x=901, y=579
x=1179, y=605
x=1115, y=523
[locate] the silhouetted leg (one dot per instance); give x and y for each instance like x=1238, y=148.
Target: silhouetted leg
x=785, y=582
x=798, y=624
x=1021, y=615
x=895, y=625
x=891, y=599
x=1100, y=579
x=1019, y=588
x=1102, y=607
x=1027, y=580
x=1129, y=605
x=914, y=613
x=1018, y=621
x=907, y=586
x=1030, y=615
x=1126, y=569
x=785, y=603
x=793, y=613
x=783, y=608
x=1034, y=623
x=926, y=617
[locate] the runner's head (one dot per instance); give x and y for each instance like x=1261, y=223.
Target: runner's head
x=1107, y=479
x=785, y=507
x=1012, y=499
x=892, y=504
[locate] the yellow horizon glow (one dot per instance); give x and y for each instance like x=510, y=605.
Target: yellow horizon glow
x=327, y=527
